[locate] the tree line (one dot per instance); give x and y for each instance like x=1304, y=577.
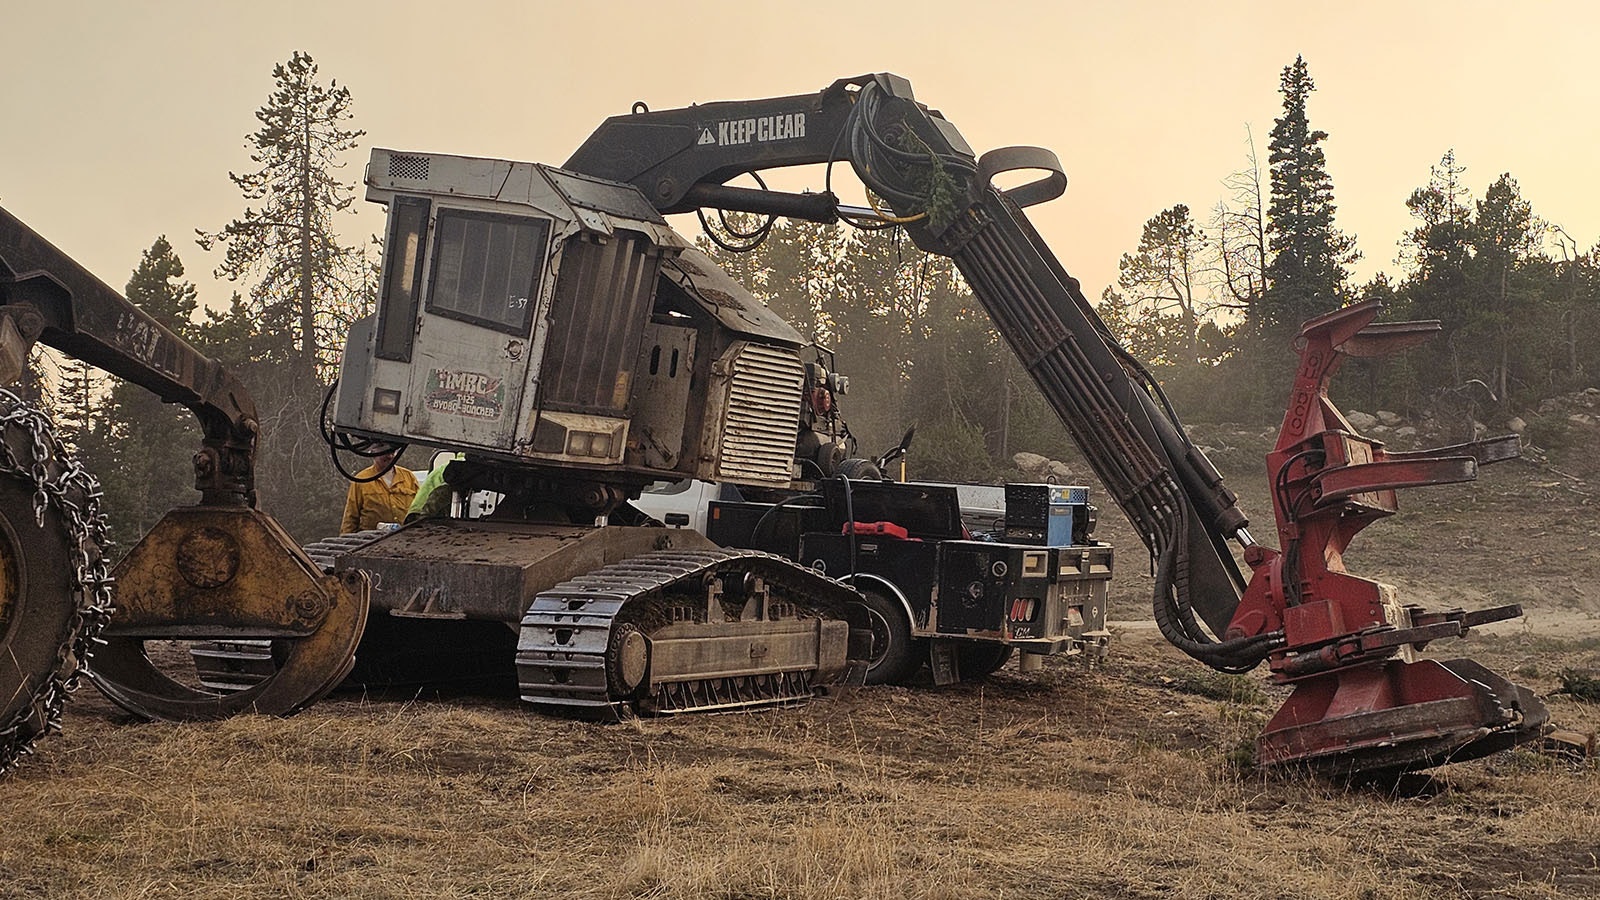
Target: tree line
x=1213, y=305
x=300, y=289
x=1210, y=305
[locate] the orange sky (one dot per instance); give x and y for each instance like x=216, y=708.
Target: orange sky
x=121, y=121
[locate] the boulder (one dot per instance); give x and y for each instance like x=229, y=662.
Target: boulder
x=1030, y=462
x=1388, y=418
x=1360, y=421
x=1517, y=425
x=1033, y=465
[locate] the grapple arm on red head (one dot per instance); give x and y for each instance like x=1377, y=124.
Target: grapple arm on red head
x=1362, y=699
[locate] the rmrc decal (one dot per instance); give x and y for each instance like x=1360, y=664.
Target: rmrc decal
x=476, y=395
x=758, y=130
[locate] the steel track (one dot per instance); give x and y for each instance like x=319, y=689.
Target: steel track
x=562, y=654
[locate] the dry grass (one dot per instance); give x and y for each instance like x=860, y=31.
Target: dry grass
x=1110, y=784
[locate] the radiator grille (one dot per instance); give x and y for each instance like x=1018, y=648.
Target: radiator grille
x=763, y=413
x=414, y=167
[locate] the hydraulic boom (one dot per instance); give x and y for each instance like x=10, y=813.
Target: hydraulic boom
x=1361, y=702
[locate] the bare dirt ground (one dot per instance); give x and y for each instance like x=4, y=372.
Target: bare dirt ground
x=1127, y=781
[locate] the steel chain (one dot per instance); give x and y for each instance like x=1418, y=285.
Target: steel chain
x=75, y=494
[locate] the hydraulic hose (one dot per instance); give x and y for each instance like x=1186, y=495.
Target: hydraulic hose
x=1108, y=402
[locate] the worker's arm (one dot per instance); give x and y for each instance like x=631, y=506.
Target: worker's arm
x=352, y=510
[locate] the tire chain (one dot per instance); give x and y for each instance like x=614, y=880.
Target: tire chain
x=60, y=482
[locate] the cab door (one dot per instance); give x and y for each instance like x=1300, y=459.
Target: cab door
x=472, y=342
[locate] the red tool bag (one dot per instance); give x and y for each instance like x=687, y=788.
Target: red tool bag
x=875, y=529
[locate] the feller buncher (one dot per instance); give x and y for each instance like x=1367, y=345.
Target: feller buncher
x=547, y=323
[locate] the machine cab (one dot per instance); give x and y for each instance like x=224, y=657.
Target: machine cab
x=541, y=317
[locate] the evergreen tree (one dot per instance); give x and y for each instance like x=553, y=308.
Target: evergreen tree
x=75, y=402
x=295, y=481
x=1509, y=285
x=801, y=273
x=1162, y=277
x=872, y=318
x=142, y=449
x=1439, y=245
x=1437, y=252
x=306, y=283
x=1307, y=272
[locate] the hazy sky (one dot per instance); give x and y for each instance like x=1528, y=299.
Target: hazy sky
x=120, y=121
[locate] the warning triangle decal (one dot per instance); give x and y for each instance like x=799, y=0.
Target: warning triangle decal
x=706, y=137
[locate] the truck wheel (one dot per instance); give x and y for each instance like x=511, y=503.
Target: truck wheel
x=980, y=660
x=895, y=654
x=857, y=469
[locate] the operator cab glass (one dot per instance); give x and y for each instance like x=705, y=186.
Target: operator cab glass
x=408, y=228
x=486, y=268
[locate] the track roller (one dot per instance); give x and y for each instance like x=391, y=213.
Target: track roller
x=684, y=631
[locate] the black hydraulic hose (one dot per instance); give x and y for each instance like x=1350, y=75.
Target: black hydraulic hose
x=877, y=161
x=1123, y=460
x=1157, y=500
x=755, y=531
x=752, y=239
x=1154, y=498
x=366, y=447
x=850, y=523
x=1234, y=657
x=1149, y=488
x=1009, y=270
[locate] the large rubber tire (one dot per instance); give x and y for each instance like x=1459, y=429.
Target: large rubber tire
x=978, y=660
x=47, y=617
x=895, y=655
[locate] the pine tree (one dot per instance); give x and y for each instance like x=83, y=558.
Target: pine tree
x=142, y=448
x=1307, y=272
x=1508, y=297
x=76, y=399
x=1439, y=244
x=1162, y=278
x=306, y=283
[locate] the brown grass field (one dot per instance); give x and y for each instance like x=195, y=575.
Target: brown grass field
x=1127, y=781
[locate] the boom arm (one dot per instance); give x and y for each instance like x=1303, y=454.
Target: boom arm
x=917, y=161
x=221, y=569
x=47, y=296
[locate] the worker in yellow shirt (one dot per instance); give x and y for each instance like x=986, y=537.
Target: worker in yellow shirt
x=375, y=498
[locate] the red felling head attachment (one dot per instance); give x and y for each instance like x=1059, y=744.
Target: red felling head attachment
x=1361, y=700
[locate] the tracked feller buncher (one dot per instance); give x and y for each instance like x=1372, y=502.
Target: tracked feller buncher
x=549, y=325
x=612, y=617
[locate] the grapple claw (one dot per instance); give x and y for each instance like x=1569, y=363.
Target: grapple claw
x=227, y=574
